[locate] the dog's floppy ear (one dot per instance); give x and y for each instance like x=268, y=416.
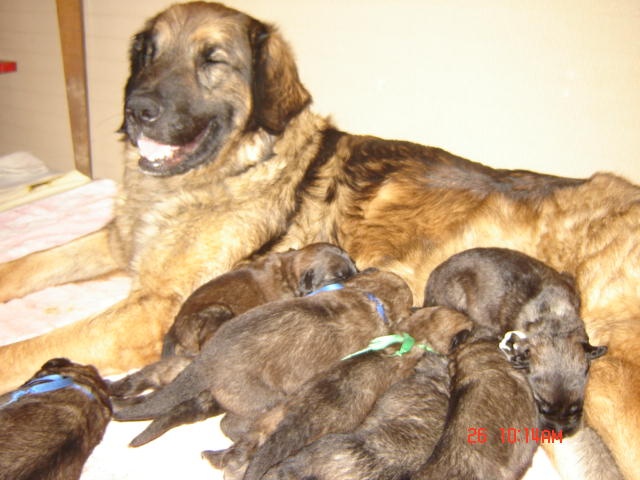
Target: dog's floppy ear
x=515, y=345
x=278, y=94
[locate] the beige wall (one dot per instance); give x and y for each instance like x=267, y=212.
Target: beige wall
x=549, y=85
x=33, y=114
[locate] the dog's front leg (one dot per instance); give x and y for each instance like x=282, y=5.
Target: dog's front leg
x=127, y=335
x=81, y=259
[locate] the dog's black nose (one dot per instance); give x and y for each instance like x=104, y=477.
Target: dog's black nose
x=143, y=108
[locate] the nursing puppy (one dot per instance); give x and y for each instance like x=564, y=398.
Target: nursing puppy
x=392, y=441
x=273, y=277
x=50, y=425
x=537, y=310
x=487, y=394
x=259, y=357
x=337, y=400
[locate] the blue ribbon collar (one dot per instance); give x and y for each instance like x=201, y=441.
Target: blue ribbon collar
x=379, y=307
x=327, y=288
x=47, y=383
x=339, y=286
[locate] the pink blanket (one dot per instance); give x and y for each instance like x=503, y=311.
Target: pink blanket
x=44, y=224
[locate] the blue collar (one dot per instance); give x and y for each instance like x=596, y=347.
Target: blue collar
x=47, y=383
x=338, y=286
x=327, y=288
x=379, y=307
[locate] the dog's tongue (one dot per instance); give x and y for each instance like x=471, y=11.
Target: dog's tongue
x=154, y=151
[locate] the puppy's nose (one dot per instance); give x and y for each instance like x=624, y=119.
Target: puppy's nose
x=143, y=108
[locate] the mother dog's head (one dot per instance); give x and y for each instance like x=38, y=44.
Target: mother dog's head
x=203, y=75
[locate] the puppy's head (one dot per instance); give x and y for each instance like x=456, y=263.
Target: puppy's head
x=84, y=375
x=320, y=264
x=557, y=367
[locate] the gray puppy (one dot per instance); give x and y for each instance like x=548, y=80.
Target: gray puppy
x=50, y=425
x=273, y=277
x=489, y=401
x=536, y=312
x=258, y=358
x=338, y=400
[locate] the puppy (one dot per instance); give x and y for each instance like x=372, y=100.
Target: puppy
x=259, y=357
x=537, y=310
x=393, y=440
x=272, y=277
x=488, y=398
x=337, y=400
x=50, y=425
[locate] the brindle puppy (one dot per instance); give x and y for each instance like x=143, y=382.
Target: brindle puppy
x=337, y=401
x=393, y=440
x=537, y=310
x=50, y=425
x=272, y=277
x=488, y=394
x=259, y=357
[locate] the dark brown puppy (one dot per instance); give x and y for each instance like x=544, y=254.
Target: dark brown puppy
x=537, y=310
x=273, y=277
x=50, y=425
x=259, y=357
x=488, y=397
x=338, y=400
x=227, y=159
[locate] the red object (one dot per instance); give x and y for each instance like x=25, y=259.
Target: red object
x=7, y=67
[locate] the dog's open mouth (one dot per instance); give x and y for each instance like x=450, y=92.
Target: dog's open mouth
x=163, y=160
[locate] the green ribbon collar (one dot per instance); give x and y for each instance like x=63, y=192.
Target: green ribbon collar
x=406, y=341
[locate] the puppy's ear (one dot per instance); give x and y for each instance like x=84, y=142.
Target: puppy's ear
x=458, y=339
x=594, y=352
x=515, y=346
x=278, y=94
x=308, y=282
x=56, y=363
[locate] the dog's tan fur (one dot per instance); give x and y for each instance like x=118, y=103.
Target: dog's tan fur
x=282, y=178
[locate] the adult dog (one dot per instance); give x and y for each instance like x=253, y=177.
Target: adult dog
x=227, y=161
